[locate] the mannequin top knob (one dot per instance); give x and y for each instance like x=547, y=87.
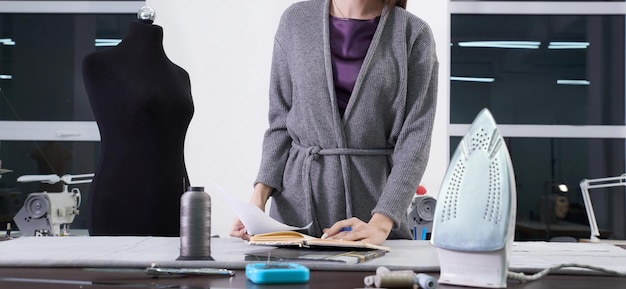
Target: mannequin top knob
x=146, y=14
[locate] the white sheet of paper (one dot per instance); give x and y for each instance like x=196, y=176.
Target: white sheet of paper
x=255, y=220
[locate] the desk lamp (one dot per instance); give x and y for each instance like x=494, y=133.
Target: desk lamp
x=474, y=221
x=587, y=184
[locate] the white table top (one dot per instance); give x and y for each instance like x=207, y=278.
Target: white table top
x=141, y=252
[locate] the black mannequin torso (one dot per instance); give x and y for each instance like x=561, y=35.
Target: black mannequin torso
x=142, y=103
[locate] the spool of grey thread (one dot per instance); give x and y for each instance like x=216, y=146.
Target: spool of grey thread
x=195, y=225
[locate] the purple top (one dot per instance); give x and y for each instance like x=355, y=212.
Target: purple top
x=349, y=41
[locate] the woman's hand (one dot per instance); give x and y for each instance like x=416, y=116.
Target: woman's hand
x=238, y=230
x=375, y=231
x=259, y=198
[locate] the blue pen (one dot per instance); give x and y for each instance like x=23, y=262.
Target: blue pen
x=344, y=229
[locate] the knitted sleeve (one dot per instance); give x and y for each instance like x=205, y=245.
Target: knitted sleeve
x=411, y=152
x=276, y=141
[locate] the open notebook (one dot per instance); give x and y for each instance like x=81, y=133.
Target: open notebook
x=295, y=239
x=270, y=232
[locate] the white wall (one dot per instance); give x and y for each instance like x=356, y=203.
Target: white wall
x=226, y=49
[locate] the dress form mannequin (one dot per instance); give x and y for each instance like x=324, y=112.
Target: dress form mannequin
x=143, y=106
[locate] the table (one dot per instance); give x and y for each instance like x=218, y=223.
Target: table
x=534, y=230
x=106, y=262
x=66, y=278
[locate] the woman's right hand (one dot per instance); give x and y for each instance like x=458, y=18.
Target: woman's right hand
x=259, y=198
x=238, y=230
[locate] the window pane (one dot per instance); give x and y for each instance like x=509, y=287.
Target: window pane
x=538, y=69
x=541, y=164
x=41, y=62
x=43, y=158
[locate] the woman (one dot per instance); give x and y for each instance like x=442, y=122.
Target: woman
x=352, y=102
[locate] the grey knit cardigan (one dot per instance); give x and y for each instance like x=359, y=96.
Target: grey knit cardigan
x=325, y=168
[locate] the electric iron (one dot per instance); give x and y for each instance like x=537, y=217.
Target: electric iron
x=474, y=222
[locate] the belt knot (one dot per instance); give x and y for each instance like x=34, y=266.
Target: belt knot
x=313, y=151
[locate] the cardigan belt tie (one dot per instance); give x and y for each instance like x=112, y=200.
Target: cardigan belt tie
x=312, y=153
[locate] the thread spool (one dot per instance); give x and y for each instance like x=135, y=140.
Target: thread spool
x=195, y=225
x=401, y=279
x=425, y=281
x=369, y=280
x=398, y=279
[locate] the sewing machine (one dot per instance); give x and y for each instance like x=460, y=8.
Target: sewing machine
x=50, y=213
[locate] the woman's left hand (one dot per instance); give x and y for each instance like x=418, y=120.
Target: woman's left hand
x=375, y=231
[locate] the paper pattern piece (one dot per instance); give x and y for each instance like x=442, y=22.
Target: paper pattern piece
x=255, y=220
